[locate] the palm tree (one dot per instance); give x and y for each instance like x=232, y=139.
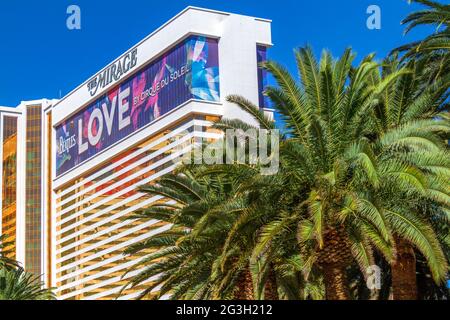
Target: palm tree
x=408, y=109
x=430, y=61
x=347, y=172
x=307, y=111
x=279, y=271
x=199, y=212
x=16, y=284
x=214, y=236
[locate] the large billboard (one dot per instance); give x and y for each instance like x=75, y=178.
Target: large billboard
x=188, y=71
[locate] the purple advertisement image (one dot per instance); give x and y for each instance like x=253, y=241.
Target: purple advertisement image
x=261, y=56
x=188, y=71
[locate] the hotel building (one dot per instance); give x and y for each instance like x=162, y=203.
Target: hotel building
x=71, y=167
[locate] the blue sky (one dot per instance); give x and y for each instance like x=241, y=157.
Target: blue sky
x=41, y=58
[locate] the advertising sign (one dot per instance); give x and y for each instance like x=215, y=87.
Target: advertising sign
x=261, y=56
x=188, y=71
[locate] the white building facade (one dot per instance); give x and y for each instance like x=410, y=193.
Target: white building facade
x=116, y=132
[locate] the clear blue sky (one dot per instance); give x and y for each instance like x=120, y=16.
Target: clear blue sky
x=40, y=57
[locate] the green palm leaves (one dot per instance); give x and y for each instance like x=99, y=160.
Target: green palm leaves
x=437, y=15
x=433, y=51
x=201, y=211
x=16, y=284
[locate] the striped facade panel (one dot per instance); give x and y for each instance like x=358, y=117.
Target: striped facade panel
x=92, y=213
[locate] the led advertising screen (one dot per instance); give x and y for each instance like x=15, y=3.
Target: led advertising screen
x=261, y=56
x=188, y=71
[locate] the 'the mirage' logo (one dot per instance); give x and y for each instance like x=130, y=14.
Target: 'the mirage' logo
x=113, y=72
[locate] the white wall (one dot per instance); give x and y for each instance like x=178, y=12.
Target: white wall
x=238, y=61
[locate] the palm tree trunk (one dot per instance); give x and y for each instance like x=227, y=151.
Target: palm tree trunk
x=244, y=288
x=404, y=282
x=334, y=259
x=335, y=280
x=271, y=288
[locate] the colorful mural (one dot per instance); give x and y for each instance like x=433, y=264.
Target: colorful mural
x=188, y=71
